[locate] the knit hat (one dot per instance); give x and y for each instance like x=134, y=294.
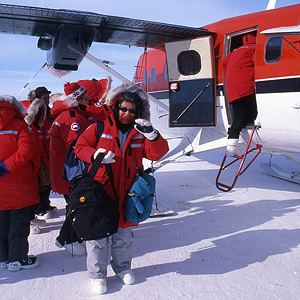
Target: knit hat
x=40, y=91
x=74, y=89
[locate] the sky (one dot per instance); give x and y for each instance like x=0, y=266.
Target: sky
x=20, y=59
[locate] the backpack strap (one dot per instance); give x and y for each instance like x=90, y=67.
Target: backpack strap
x=108, y=170
x=96, y=164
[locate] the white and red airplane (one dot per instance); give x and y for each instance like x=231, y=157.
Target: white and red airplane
x=182, y=72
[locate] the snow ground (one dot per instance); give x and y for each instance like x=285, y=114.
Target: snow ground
x=243, y=244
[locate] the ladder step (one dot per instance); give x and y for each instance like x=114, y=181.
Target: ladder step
x=226, y=188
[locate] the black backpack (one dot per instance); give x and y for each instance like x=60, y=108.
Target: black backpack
x=75, y=168
x=94, y=214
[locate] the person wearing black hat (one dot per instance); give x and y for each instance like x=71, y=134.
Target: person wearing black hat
x=42, y=93
x=44, y=209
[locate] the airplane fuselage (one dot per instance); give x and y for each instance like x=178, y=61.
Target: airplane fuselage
x=277, y=78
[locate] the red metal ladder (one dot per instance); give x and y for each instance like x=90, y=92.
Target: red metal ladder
x=226, y=188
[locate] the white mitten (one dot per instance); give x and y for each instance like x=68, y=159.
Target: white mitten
x=145, y=127
x=108, y=158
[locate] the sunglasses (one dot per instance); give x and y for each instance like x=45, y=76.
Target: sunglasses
x=124, y=109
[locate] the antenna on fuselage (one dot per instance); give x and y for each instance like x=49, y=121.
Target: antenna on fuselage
x=271, y=4
x=32, y=78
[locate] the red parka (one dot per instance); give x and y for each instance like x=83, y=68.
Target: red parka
x=19, y=187
x=238, y=68
x=127, y=164
x=70, y=121
x=43, y=131
x=97, y=91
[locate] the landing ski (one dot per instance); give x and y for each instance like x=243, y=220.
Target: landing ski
x=278, y=172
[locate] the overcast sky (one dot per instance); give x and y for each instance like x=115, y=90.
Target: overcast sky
x=20, y=58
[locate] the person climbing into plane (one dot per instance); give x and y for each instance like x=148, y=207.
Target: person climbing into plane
x=238, y=68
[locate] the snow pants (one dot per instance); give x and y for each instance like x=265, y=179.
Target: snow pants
x=244, y=112
x=44, y=193
x=119, y=245
x=14, y=232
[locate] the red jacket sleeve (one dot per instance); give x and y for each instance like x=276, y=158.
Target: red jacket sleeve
x=26, y=149
x=86, y=144
x=155, y=150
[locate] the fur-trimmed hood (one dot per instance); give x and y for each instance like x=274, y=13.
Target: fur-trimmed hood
x=70, y=100
x=13, y=101
x=9, y=109
x=114, y=93
x=61, y=102
x=36, y=106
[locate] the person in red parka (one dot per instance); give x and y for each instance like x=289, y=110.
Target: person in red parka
x=19, y=162
x=124, y=146
x=43, y=210
x=70, y=120
x=238, y=68
x=36, y=116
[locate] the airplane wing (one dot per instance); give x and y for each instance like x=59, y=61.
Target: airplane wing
x=282, y=31
x=43, y=22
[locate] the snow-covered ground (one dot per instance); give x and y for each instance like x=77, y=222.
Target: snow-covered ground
x=243, y=244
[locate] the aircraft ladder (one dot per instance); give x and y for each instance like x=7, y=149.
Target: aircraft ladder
x=226, y=188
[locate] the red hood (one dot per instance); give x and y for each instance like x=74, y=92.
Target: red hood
x=58, y=108
x=249, y=39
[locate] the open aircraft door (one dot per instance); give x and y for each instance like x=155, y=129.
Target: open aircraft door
x=191, y=73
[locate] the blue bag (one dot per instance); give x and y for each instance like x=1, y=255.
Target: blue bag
x=140, y=198
x=75, y=168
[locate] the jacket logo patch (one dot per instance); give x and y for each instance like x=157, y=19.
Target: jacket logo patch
x=30, y=129
x=98, y=104
x=75, y=126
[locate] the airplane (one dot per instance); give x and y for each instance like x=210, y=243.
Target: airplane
x=182, y=73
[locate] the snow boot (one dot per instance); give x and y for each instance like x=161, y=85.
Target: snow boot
x=232, y=148
x=126, y=277
x=29, y=263
x=99, y=286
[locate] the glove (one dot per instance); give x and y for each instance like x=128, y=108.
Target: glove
x=145, y=127
x=108, y=158
x=3, y=169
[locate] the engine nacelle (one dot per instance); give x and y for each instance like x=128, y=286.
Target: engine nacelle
x=67, y=48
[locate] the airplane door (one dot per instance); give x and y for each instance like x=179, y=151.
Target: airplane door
x=192, y=97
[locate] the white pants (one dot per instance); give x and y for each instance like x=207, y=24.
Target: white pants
x=98, y=252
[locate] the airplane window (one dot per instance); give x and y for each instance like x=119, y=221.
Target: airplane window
x=189, y=62
x=166, y=73
x=145, y=77
x=153, y=75
x=273, y=50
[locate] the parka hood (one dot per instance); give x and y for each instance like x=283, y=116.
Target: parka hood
x=112, y=96
x=249, y=38
x=36, y=106
x=62, y=102
x=9, y=108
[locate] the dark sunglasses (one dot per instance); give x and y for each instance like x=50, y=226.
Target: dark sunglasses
x=124, y=109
